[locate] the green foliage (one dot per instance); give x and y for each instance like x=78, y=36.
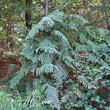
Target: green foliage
x=1, y=53
x=52, y=96
x=7, y=102
x=66, y=76
x=35, y=101
x=10, y=57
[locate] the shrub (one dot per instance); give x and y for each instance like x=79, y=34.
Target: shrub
x=10, y=101
x=69, y=75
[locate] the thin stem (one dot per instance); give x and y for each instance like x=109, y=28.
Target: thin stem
x=46, y=7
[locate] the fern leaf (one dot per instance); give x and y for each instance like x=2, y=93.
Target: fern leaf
x=85, y=82
x=26, y=67
x=34, y=101
x=52, y=95
x=36, y=29
x=16, y=79
x=79, y=93
x=47, y=21
x=27, y=52
x=45, y=58
x=81, y=19
x=60, y=35
x=57, y=16
x=47, y=46
x=70, y=25
x=46, y=68
x=70, y=62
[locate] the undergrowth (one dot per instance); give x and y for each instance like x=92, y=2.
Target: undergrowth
x=69, y=61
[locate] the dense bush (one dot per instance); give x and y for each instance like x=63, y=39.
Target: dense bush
x=8, y=101
x=68, y=74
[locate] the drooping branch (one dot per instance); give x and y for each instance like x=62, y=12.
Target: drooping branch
x=46, y=7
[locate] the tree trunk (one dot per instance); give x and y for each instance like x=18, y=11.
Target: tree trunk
x=0, y=9
x=28, y=14
x=46, y=7
x=106, y=13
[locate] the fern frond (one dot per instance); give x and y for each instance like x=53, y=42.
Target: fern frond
x=85, y=82
x=92, y=58
x=71, y=25
x=35, y=58
x=52, y=95
x=47, y=46
x=46, y=68
x=36, y=29
x=57, y=16
x=47, y=22
x=82, y=38
x=92, y=46
x=28, y=51
x=70, y=62
x=79, y=93
x=80, y=18
x=45, y=58
x=60, y=35
x=16, y=79
x=60, y=74
x=34, y=101
x=26, y=67
x=102, y=62
x=103, y=32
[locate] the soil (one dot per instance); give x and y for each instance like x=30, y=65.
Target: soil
x=5, y=65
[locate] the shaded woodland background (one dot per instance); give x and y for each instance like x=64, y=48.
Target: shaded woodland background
x=18, y=17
